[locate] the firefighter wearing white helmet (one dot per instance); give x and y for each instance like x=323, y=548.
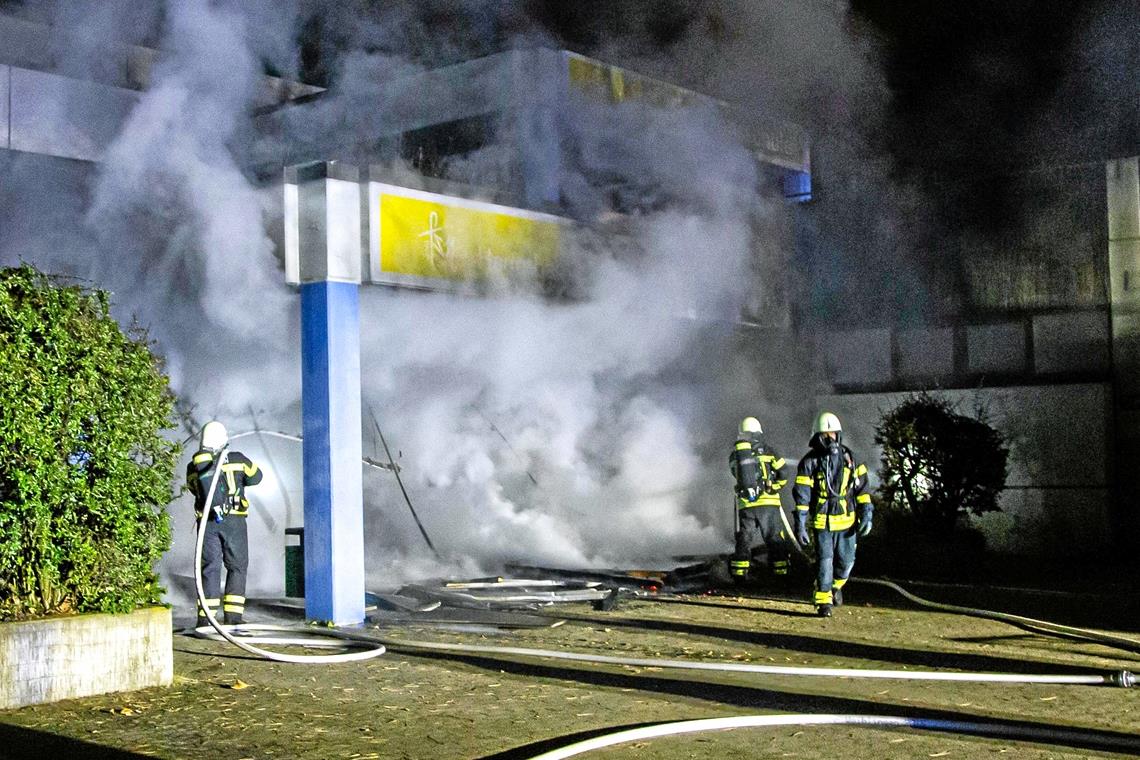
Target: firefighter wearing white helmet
x=759, y=474
x=226, y=541
x=831, y=495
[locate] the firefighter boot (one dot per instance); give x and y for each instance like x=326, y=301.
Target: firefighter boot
x=739, y=567
x=233, y=605
x=823, y=601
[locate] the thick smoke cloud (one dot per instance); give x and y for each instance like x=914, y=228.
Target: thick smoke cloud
x=582, y=431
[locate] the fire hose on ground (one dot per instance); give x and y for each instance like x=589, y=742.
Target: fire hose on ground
x=1108, y=639
x=373, y=647
x=329, y=637
x=996, y=731
x=1122, y=678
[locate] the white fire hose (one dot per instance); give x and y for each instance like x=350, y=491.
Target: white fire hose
x=998, y=731
x=373, y=647
x=323, y=638
x=1123, y=678
x=1108, y=639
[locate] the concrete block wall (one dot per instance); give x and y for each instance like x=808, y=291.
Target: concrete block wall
x=59, y=116
x=1033, y=345
x=81, y=655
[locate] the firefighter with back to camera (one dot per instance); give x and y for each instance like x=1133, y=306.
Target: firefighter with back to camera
x=226, y=540
x=759, y=474
x=831, y=495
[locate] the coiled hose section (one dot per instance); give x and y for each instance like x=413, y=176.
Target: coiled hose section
x=326, y=638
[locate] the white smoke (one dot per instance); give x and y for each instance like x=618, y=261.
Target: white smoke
x=584, y=432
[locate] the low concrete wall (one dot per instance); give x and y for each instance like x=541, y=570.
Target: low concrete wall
x=80, y=655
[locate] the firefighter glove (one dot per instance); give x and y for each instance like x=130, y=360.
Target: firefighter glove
x=801, y=529
x=865, y=525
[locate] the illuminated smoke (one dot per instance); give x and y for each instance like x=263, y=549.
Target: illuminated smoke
x=590, y=431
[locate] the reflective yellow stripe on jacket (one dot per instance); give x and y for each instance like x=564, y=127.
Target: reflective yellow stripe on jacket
x=818, y=485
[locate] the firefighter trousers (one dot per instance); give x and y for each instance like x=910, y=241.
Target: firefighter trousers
x=762, y=526
x=835, y=558
x=226, y=545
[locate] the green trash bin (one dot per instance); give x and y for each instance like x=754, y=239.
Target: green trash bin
x=295, y=563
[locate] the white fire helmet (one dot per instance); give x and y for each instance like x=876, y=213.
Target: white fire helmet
x=750, y=425
x=214, y=435
x=827, y=423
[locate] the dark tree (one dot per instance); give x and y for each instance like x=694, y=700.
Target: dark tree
x=938, y=464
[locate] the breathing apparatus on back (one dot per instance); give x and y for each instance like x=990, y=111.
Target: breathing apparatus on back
x=752, y=476
x=828, y=431
x=216, y=440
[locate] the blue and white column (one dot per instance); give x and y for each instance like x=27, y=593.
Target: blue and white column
x=323, y=256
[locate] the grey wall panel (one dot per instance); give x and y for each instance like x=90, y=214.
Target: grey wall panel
x=5, y=75
x=857, y=357
x=395, y=104
x=1073, y=342
x=57, y=116
x=1123, y=184
x=996, y=348
x=24, y=43
x=927, y=352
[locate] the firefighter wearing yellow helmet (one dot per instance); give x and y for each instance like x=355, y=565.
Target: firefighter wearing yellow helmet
x=226, y=541
x=831, y=495
x=759, y=474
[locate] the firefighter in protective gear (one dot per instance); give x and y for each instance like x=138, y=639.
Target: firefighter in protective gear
x=832, y=499
x=226, y=540
x=759, y=474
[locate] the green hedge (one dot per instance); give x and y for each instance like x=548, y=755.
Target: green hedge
x=84, y=470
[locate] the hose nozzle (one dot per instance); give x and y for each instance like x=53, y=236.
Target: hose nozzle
x=1125, y=679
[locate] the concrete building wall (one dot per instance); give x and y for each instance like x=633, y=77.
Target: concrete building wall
x=5, y=90
x=926, y=352
x=1071, y=342
x=1028, y=347
x=58, y=116
x=996, y=349
x=1058, y=489
x=857, y=357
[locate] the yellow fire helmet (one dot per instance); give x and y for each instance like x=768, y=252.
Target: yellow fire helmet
x=827, y=423
x=214, y=435
x=749, y=426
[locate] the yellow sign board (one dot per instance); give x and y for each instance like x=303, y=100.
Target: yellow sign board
x=775, y=142
x=620, y=85
x=430, y=240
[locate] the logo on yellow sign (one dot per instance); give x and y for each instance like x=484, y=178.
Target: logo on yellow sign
x=425, y=237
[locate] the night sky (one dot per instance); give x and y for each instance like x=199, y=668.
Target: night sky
x=984, y=89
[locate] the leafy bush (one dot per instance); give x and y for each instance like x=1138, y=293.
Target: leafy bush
x=937, y=463
x=84, y=471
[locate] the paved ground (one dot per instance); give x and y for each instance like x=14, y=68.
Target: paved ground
x=225, y=704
